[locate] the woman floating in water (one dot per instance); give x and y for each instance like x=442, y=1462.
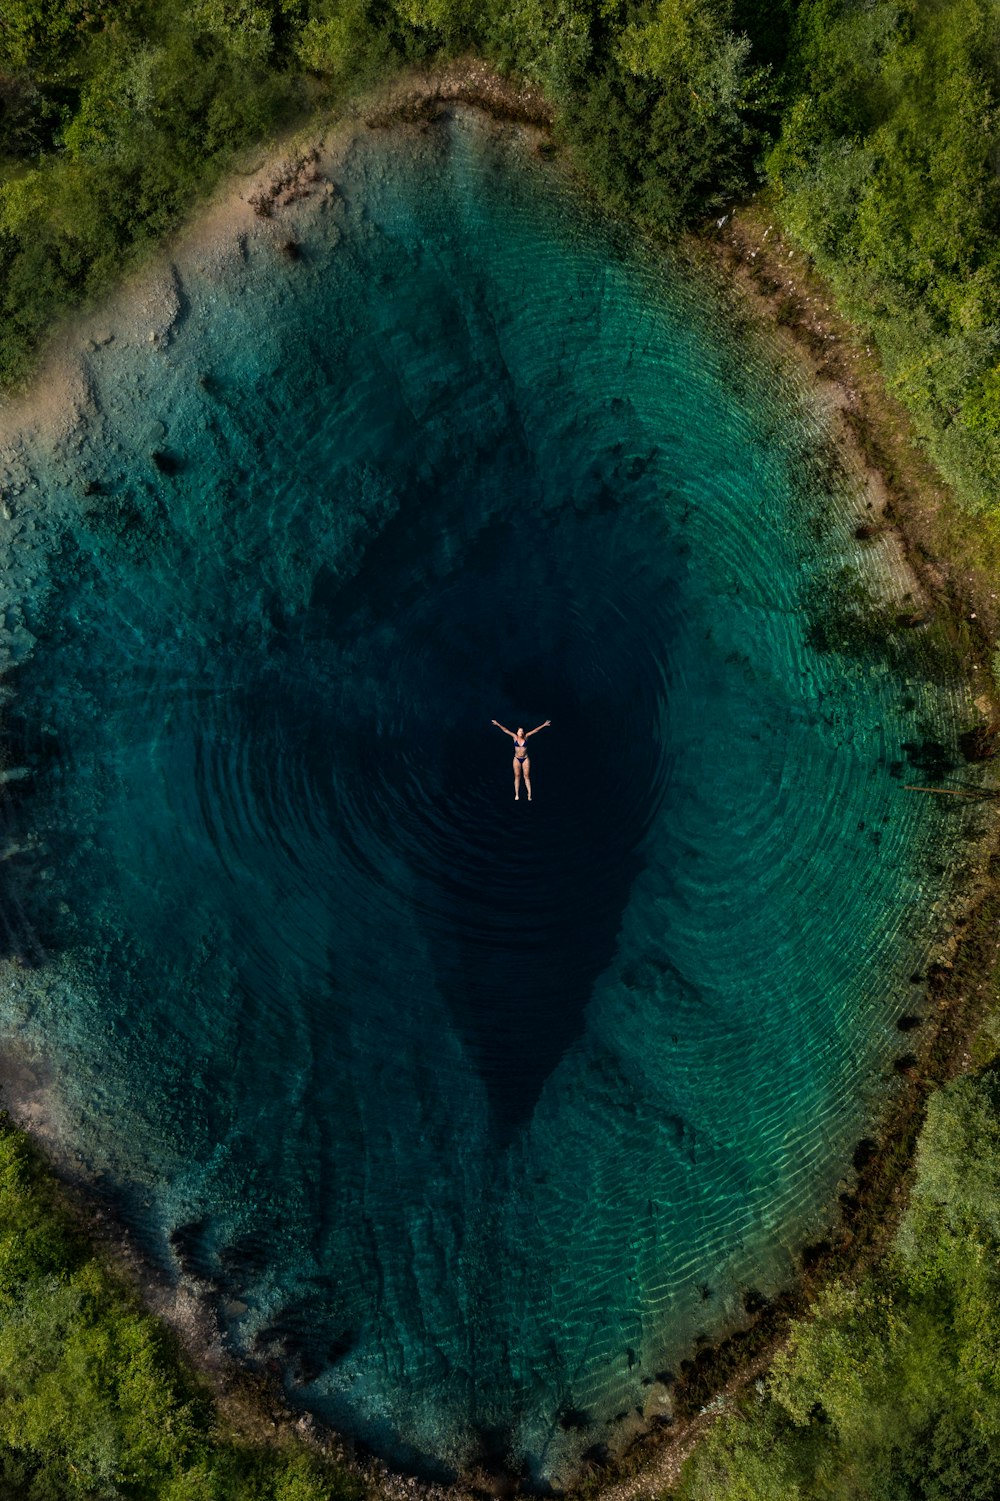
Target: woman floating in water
x=522, y=761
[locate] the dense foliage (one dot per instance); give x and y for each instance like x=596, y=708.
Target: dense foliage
x=892, y=1390
x=874, y=124
x=886, y=171
x=94, y=1400
x=115, y=113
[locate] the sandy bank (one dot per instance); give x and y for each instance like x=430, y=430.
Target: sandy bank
x=297, y=176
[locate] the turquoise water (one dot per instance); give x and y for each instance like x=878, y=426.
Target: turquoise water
x=474, y=1114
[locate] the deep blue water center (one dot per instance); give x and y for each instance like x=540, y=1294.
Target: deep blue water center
x=521, y=914
x=475, y=1113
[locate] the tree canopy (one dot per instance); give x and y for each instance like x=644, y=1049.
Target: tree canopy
x=890, y=1391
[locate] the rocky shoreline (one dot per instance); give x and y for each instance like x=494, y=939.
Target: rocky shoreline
x=772, y=283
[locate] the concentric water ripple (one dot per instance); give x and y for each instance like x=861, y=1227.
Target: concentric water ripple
x=475, y=1113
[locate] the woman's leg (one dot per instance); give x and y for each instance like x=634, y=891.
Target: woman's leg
x=527, y=775
x=517, y=779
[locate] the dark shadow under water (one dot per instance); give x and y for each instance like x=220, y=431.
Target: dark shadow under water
x=522, y=901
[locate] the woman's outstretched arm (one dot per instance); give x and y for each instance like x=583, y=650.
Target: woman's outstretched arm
x=504, y=728
x=537, y=728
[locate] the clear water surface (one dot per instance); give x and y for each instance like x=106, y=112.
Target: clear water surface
x=475, y=1113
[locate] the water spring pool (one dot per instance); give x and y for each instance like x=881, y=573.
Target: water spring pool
x=475, y=1113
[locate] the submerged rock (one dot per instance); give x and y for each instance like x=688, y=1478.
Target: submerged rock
x=165, y=462
x=979, y=743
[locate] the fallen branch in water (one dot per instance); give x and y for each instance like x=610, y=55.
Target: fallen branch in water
x=979, y=792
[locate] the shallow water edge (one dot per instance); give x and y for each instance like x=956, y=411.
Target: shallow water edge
x=155, y=310
x=772, y=285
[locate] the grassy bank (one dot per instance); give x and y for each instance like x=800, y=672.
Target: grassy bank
x=890, y=1390
x=95, y=1398
x=884, y=170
